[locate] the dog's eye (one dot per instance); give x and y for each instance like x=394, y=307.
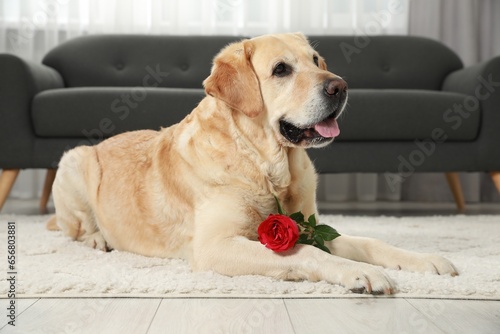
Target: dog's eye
x=315, y=59
x=281, y=70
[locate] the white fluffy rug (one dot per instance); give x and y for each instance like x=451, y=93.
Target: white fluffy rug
x=51, y=265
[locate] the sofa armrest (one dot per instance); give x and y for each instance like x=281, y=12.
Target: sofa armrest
x=481, y=83
x=468, y=79
x=20, y=81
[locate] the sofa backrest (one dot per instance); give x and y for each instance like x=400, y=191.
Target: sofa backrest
x=136, y=60
x=405, y=62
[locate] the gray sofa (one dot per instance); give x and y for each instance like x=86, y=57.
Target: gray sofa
x=412, y=107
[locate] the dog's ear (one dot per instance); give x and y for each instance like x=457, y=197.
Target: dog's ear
x=322, y=63
x=301, y=36
x=233, y=79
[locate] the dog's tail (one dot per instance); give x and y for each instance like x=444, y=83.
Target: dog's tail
x=52, y=224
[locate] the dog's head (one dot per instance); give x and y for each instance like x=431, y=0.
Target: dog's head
x=282, y=81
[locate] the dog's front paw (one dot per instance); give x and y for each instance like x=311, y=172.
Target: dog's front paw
x=97, y=241
x=364, y=278
x=429, y=263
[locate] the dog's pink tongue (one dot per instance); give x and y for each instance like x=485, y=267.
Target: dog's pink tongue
x=328, y=128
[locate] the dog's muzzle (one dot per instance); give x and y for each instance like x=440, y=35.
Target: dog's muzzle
x=322, y=132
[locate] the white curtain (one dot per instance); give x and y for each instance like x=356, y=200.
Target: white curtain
x=30, y=28
x=469, y=27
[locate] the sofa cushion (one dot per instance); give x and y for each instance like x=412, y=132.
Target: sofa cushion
x=371, y=115
x=391, y=114
x=101, y=112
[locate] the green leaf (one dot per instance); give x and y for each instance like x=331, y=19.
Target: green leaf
x=298, y=217
x=319, y=240
x=312, y=220
x=304, y=239
x=326, y=232
x=280, y=209
x=323, y=248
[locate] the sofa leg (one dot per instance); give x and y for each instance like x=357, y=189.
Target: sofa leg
x=7, y=180
x=495, y=176
x=454, y=184
x=47, y=189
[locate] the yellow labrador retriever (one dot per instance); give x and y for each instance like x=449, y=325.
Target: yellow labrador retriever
x=199, y=189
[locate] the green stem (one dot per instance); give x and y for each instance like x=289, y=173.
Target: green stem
x=280, y=209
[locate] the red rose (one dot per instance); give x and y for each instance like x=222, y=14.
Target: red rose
x=278, y=232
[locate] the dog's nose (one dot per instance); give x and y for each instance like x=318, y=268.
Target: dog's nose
x=335, y=87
